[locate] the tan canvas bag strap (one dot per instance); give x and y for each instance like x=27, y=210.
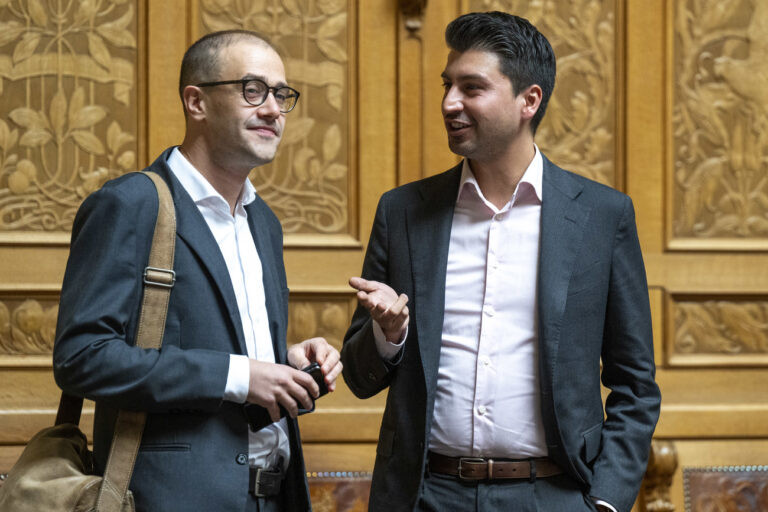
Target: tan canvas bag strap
x=159, y=278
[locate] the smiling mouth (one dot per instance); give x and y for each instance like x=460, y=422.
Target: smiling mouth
x=264, y=130
x=456, y=127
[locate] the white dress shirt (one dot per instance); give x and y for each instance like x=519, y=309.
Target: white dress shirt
x=238, y=249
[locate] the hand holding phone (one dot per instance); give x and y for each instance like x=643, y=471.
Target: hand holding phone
x=258, y=417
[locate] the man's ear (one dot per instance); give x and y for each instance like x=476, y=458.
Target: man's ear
x=194, y=104
x=531, y=98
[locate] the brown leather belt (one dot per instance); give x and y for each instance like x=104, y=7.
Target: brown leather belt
x=478, y=468
x=263, y=483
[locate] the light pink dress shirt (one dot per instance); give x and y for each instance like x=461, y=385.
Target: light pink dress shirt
x=487, y=402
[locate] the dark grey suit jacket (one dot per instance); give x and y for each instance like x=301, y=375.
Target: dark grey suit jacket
x=592, y=304
x=191, y=455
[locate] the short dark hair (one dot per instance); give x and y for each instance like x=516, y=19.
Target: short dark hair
x=201, y=61
x=525, y=55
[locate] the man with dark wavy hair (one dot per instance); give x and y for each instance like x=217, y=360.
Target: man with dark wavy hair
x=522, y=278
x=224, y=346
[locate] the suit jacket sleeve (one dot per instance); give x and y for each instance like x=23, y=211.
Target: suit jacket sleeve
x=632, y=406
x=365, y=372
x=94, y=354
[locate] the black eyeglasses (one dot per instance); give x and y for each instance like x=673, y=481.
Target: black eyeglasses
x=255, y=92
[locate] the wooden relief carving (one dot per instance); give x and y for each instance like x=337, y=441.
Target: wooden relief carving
x=654, y=491
x=307, y=184
x=721, y=327
x=67, y=106
x=719, y=123
x=311, y=317
x=579, y=130
x=27, y=326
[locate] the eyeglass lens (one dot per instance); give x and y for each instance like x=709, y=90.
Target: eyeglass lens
x=256, y=91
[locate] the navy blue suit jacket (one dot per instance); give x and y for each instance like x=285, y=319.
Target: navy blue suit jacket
x=191, y=452
x=592, y=305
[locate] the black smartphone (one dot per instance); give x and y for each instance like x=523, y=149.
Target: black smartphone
x=258, y=417
x=317, y=374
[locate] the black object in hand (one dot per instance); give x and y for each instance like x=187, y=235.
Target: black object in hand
x=258, y=417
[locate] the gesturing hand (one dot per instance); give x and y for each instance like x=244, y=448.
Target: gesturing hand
x=386, y=307
x=320, y=351
x=272, y=385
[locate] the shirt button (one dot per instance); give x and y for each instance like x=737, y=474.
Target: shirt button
x=481, y=410
x=489, y=310
x=241, y=459
x=485, y=360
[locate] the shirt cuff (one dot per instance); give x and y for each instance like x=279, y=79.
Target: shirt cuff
x=387, y=349
x=238, y=379
x=605, y=504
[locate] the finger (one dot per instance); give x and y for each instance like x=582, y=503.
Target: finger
x=330, y=378
x=304, y=388
x=358, y=283
x=289, y=404
x=331, y=359
x=274, y=412
x=297, y=357
x=369, y=301
x=320, y=348
x=293, y=397
x=398, y=305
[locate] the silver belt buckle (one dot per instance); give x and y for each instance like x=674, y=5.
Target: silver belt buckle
x=470, y=460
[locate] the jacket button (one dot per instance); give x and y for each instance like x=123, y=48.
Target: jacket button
x=371, y=376
x=242, y=459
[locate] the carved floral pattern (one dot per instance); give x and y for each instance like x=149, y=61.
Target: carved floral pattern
x=306, y=185
x=27, y=327
x=719, y=120
x=579, y=130
x=327, y=318
x=66, y=92
x=721, y=327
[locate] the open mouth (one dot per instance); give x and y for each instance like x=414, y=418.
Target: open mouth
x=456, y=128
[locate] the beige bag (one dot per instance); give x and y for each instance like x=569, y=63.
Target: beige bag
x=55, y=471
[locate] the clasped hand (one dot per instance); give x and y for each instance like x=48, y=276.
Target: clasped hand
x=274, y=385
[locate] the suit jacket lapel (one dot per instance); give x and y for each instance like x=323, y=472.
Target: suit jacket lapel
x=193, y=230
x=563, y=219
x=428, y=224
x=272, y=291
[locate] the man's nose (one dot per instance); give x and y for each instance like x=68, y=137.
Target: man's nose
x=269, y=108
x=452, y=101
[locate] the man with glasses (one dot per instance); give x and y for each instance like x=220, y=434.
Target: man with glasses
x=223, y=359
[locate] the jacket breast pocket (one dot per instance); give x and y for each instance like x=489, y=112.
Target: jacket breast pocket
x=585, y=278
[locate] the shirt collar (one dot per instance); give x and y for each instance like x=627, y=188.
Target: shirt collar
x=197, y=186
x=532, y=177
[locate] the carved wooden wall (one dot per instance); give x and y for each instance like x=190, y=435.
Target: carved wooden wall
x=661, y=99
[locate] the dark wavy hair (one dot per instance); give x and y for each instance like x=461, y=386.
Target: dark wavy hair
x=525, y=55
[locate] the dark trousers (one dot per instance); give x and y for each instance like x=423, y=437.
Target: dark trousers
x=558, y=493
x=272, y=504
